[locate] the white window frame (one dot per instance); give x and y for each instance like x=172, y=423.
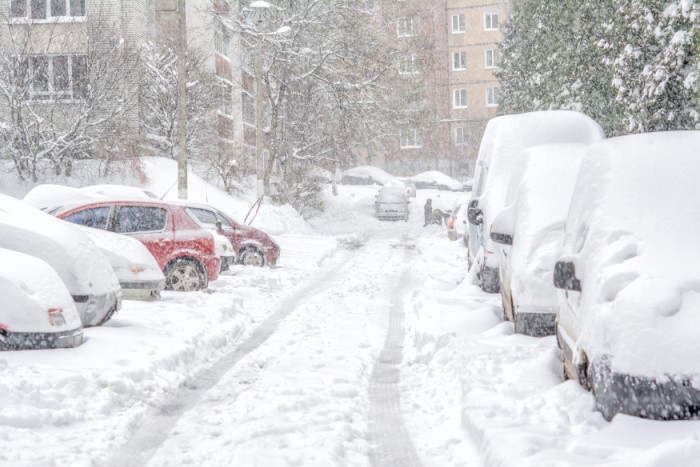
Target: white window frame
x=490, y=58
x=459, y=25
x=410, y=138
x=491, y=17
x=222, y=42
x=408, y=65
x=459, y=61
x=461, y=136
x=49, y=16
x=459, y=98
x=492, y=97
x=406, y=27
x=51, y=94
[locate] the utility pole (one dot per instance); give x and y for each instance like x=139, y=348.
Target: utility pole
x=181, y=102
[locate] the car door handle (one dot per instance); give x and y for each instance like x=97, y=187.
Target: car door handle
x=163, y=240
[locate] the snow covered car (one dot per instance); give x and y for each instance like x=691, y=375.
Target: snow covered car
x=407, y=186
x=457, y=225
x=185, y=251
x=252, y=247
x=36, y=310
x=628, y=319
x=225, y=250
x=79, y=263
x=117, y=192
x=530, y=231
x=135, y=267
x=365, y=175
x=503, y=140
x=391, y=204
x=434, y=179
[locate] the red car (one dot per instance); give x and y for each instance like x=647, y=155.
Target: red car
x=183, y=249
x=253, y=247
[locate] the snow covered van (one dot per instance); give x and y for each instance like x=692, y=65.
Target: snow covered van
x=503, y=140
x=629, y=306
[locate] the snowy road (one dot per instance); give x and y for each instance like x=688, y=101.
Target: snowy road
x=366, y=346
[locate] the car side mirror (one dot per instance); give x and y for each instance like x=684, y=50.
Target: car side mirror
x=475, y=216
x=565, y=276
x=502, y=238
x=219, y=226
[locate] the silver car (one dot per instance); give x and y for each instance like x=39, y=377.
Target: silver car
x=391, y=204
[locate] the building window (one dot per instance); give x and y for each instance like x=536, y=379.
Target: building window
x=490, y=21
x=458, y=24
x=491, y=97
x=460, y=136
x=248, y=108
x=459, y=61
x=406, y=27
x=460, y=98
x=225, y=102
x=222, y=41
x=46, y=9
x=408, y=64
x=58, y=77
x=491, y=58
x=410, y=138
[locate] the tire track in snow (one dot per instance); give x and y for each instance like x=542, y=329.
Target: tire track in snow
x=146, y=440
x=391, y=441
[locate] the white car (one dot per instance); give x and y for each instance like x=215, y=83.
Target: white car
x=224, y=250
x=530, y=231
x=406, y=185
x=457, y=225
x=79, y=263
x=629, y=274
x=391, y=204
x=503, y=140
x=36, y=309
x=135, y=267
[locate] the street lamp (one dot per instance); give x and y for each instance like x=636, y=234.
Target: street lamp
x=259, y=7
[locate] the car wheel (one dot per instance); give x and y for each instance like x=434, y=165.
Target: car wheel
x=185, y=275
x=252, y=257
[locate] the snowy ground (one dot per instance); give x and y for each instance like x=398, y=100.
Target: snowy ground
x=364, y=347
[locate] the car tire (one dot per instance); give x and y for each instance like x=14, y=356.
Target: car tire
x=252, y=257
x=185, y=275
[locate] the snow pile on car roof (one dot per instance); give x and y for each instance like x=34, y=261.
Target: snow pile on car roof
x=632, y=234
x=76, y=259
x=539, y=196
x=365, y=175
x=436, y=179
x=506, y=136
x=48, y=196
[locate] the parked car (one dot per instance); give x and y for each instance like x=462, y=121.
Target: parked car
x=391, y=204
x=365, y=175
x=628, y=319
x=224, y=249
x=408, y=187
x=457, y=225
x=184, y=251
x=530, y=231
x=253, y=247
x=503, y=139
x=36, y=309
x=79, y=263
x=436, y=180
x=136, y=269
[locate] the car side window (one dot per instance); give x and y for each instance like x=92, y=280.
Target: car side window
x=96, y=218
x=140, y=219
x=204, y=216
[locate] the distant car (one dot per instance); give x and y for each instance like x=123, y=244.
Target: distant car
x=407, y=186
x=503, y=139
x=436, y=180
x=628, y=314
x=457, y=225
x=138, y=272
x=36, y=309
x=83, y=268
x=253, y=247
x=391, y=204
x=184, y=251
x=530, y=231
x=365, y=175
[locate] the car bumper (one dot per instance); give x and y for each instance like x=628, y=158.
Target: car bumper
x=95, y=310
x=142, y=290
x=213, y=267
x=227, y=262
x=670, y=398
x=392, y=216
x=535, y=323
x=41, y=340
x=272, y=255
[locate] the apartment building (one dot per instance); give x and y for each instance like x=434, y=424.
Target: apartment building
x=461, y=90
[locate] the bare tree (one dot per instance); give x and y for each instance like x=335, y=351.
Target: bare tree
x=61, y=107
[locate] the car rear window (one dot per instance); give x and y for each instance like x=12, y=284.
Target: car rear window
x=203, y=215
x=96, y=218
x=140, y=219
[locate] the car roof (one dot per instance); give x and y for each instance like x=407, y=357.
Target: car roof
x=101, y=201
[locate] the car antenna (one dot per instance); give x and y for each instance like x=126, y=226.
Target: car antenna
x=168, y=190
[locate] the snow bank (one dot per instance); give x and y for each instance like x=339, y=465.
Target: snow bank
x=630, y=233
